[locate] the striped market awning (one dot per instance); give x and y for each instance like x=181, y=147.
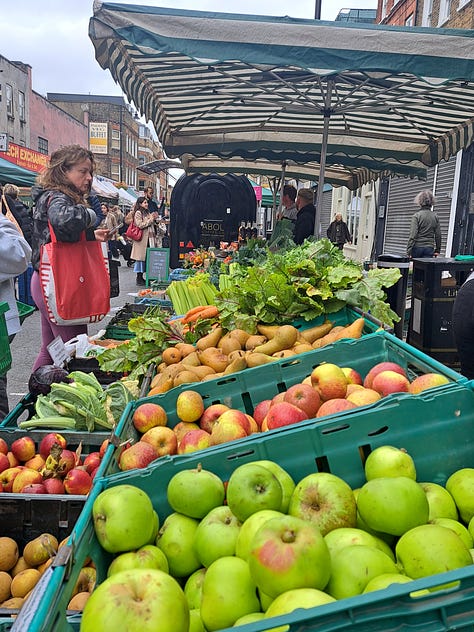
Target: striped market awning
x=357, y=100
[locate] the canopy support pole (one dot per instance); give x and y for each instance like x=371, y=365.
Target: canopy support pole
x=322, y=164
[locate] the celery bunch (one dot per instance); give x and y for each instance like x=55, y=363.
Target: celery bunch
x=194, y=291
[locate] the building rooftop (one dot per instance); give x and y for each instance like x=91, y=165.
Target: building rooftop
x=85, y=98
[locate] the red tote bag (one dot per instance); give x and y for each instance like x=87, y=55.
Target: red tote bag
x=75, y=280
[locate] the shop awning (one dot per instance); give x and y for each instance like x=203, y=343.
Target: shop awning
x=13, y=174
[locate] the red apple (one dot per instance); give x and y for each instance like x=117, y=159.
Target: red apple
x=333, y=406
x=36, y=463
x=225, y=431
x=8, y=476
x=148, y=416
x=25, y=477
x=235, y=415
x=352, y=376
x=94, y=472
x=182, y=427
x=363, y=397
x=34, y=488
x=4, y=462
x=54, y=486
x=387, y=382
x=194, y=440
x=14, y=462
x=23, y=449
x=48, y=441
x=92, y=461
x=189, y=406
x=305, y=397
x=210, y=415
x=3, y=447
x=67, y=461
x=279, y=397
x=260, y=411
x=138, y=455
x=378, y=368
x=284, y=414
x=77, y=482
x=162, y=439
x=428, y=380
x=330, y=381
x=103, y=447
x=253, y=424
x=351, y=388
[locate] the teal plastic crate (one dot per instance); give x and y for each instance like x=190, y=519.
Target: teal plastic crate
x=5, y=353
x=245, y=389
x=423, y=425
x=24, y=310
x=345, y=316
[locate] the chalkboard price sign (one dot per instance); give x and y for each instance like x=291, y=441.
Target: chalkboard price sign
x=157, y=264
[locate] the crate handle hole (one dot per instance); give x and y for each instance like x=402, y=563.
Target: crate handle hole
x=335, y=429
x=322, y=464
x=240, y=455
x=380, y=431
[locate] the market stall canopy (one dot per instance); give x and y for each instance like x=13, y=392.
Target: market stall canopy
x=373, y=98
x=14, y=174
x=106, y=188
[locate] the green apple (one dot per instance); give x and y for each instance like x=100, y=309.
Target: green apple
x=294, y=599
x=249, y=618
x=441, y=502
x=288, y=553
x=216, y=535
x=195, y=621
x=430, y=549
x=354, y=566
x=388, y=461
x=156, y=528
x=457, y=527
x=176, y=540
x=393, y=505
x=250, y=527
x=360, y=524
x=147, y=556
x=470, y=527
x=195, y=492
x=286, y=482
x=137, y=600
x=123, y=518
x=386, y=579
x=345, y=536
x=228, y=593
x=325, y=500
x=265, y=600
x=251, y=488
x=193, y=588
x=461, y=487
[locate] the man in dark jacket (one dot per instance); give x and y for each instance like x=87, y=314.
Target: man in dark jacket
x=19, y=210
x=304, y=225
x=338, y=233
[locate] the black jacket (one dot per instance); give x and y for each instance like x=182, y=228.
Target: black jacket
x=304, y=225
x=338, y=233
x=22, y=215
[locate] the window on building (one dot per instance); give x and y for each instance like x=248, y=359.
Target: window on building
x=21, y=106
x=43, y=146
x=409, y=20
x=462, y=3
x=427, y=13
x=115, y=139
x=115, y=171
x=353, y=215
x=9, y=99
x=444, y=11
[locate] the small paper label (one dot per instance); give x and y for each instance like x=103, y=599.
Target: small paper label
x=57, y=351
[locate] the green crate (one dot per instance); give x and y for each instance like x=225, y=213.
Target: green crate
x=5, y=353
x=245, y=389
x=24, y=310
x=423, y=425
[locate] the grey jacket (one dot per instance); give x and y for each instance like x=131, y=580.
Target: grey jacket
x=15, y=255
x=68, y=220
x=425, y=231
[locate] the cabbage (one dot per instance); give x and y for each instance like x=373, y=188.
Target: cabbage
x=40, y=380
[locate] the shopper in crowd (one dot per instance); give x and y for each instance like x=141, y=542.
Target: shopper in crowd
x=61, y=200
x=152, y=205
x=338, y=232
x=145, y=220
x=304, y=225
x=288, y=200
x=425, y=232
x=463, y=326
x=11, y=203
x=111, y=223
x=15, y=255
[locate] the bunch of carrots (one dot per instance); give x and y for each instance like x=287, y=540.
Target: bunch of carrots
x=201, y=312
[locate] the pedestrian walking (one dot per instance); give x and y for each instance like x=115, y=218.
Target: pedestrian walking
x=425, y=232
x=338, y=232
x=146, y=221
x=304, y=225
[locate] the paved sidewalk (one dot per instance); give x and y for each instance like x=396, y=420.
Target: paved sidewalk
x=26, y=344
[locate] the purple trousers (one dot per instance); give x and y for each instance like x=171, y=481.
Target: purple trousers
x=49, y=330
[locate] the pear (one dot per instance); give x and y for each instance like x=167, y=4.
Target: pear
x=228, y=593
x=214, y=358
x=211, y=340
x=238, y=364
x=284, y=338
x=257, y=359
x=254, y=341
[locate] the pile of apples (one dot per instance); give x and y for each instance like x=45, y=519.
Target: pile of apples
x=47, y=468
x=328, y=390
x=19, y=574
x=261, y=545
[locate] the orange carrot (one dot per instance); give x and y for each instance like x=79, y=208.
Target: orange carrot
x=194, y=310
x=210, y=311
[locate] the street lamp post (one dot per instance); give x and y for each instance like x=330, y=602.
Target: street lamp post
x=317, y=10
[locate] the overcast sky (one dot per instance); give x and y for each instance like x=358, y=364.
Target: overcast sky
x=52, y=35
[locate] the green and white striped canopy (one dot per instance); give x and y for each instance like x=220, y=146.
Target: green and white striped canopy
x=360, y=100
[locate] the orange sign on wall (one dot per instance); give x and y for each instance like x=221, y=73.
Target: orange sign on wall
x=25, y=157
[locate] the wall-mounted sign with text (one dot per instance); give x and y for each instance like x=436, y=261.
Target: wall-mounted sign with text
x=25, y=157
x=98, y=135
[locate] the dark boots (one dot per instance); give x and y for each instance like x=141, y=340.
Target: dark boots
x=140, y=279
